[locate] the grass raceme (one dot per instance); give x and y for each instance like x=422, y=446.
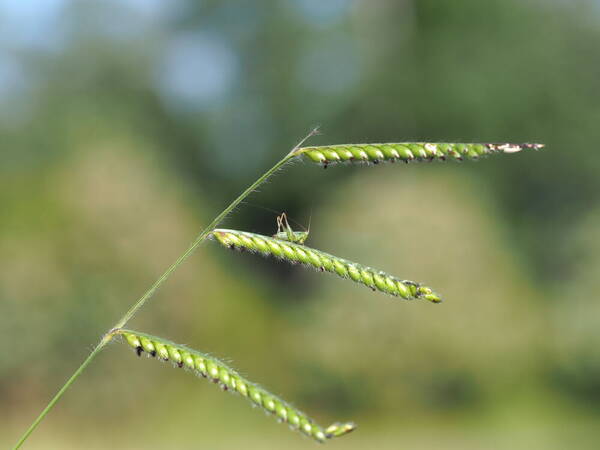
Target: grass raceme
x=287, y=245
x=230, y=380
x=406, y=151
x=298, y=253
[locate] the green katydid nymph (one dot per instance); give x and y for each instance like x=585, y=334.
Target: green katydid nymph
x=285, y=232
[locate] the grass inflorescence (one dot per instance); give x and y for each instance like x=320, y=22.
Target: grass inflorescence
x=298, y=253
x=406, y=151
x=230, y=380
x=287, y=245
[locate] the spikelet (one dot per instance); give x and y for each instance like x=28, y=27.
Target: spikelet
x=230, y=380
x=406, y=151
x=297, y=253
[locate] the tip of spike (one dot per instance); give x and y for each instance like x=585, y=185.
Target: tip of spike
x=339, y=429
x=432, y=298
x=428, y=294
x=514, y=148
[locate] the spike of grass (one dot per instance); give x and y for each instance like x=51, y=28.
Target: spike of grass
x=406, y=151
x=298, y=253
x=230, y=380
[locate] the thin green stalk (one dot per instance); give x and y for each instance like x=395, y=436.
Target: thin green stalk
x=144, y=298
x=58, y=395
x=201, y=237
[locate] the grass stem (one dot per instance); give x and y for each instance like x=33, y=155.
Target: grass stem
x=146, y=296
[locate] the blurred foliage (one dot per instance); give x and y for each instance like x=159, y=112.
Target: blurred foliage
x=126, y=125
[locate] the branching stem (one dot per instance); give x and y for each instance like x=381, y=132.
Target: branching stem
x=144, y=298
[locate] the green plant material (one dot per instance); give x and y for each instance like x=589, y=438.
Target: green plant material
x=289, y=247
x=139, y=303
x=230, y=380
x=406, y=151
x=297, y=253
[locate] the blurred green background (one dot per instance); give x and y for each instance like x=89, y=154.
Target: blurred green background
x=125, y=126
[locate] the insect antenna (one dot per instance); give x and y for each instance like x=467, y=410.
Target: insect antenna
x=278, y=213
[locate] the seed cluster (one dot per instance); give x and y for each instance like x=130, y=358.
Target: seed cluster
x=406, y=151
x=297, y=253
x=229, y=380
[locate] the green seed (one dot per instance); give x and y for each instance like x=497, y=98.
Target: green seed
x=339, y=429
x=268, y=403
x=316, y=156
x=340, y=269
x=201, y=366
x=189, y=362
x=331, y=155
x=242, y=388
x=294, y=419
x=367, y=277
x=374, y=153
x=417, y=150
x=213, y=369
x=255, y=396
x=161, y=351
x=147, y=345
x=174, y=354
x=281, y=412
x=403, y=291
x=390, y=152
x=132, y=340
x=404, y=151
x=359, y=154
x=302, y=256
x=224, y=376
x=344, y=153
x=354, y=272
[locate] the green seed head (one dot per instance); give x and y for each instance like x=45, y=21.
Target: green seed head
x=231, y=380
x=297, y=253
x=406, y=151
